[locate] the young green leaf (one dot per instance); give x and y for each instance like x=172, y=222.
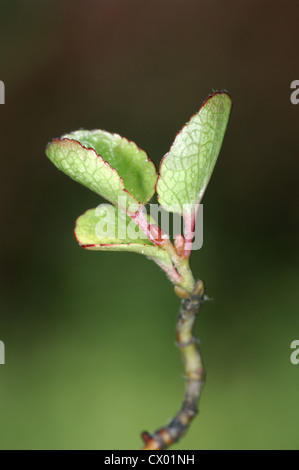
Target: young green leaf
x=185, y=171
x=108, y=229
x=106, y=225
x=108, y=164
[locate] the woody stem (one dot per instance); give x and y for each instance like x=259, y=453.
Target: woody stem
x=168, y=435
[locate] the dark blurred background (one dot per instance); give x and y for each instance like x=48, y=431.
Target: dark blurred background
x=90, y=355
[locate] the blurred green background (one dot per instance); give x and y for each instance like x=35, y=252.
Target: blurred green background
x=90, y=354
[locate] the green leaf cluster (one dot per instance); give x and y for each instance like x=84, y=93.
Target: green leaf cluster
x=120, y=172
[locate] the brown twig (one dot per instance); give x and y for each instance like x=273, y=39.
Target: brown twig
x=168, y=435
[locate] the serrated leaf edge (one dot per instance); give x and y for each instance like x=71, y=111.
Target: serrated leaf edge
x=59, y=139
x=223, y=92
